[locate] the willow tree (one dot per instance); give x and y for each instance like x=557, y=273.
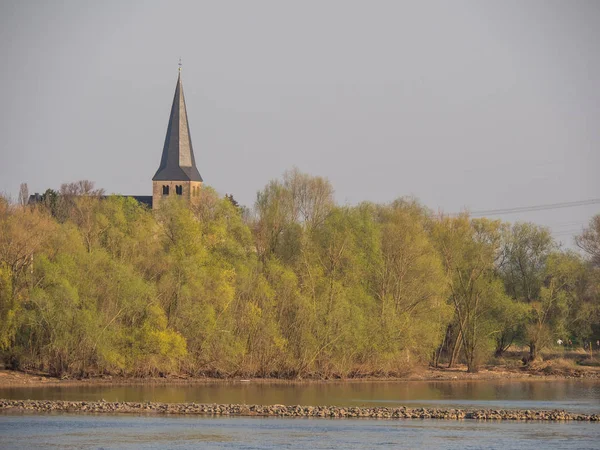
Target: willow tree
x=332, y=270
x=469, y=251
x=409, y=284
x=195, y=286
x=25, y=234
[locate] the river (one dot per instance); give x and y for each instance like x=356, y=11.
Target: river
x=127, y=432
x=572, y=395
x=154, y=432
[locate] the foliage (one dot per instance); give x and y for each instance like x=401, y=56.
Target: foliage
x=296, y=287
x=469, y=250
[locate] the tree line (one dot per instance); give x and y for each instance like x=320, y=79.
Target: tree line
x=297, y=286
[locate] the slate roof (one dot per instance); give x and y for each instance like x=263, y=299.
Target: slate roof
x=143, y=199
x=178, y=162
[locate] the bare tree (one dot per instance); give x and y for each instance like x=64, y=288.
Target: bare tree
x=80, y=188
x=81, y=202
x=589, y=240
x=311, y=197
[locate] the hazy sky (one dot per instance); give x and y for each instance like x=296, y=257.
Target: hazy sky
x=463, y=104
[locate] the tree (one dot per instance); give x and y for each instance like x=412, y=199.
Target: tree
x=274, y=213
x=409, y=284
x=570, y=298
x=469, y=250
x=311, y=197
x=522, y=266
x=83, y=207
x=548, y=315
x=331, y=270
x=24, y=234
x=589, y=240
x=584, y=321
x=93, y=284
x=232, y=200
x=525, y=249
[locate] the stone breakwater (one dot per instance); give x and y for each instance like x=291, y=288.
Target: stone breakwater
x=288, y=411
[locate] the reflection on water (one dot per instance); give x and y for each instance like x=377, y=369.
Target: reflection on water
x=573, y=395
x=128, y=432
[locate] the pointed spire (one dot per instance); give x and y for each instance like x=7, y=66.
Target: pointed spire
x=178, y=162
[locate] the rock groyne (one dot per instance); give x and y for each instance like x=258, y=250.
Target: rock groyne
x=98, y=407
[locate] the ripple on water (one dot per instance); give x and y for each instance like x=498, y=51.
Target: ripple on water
x=108, y=432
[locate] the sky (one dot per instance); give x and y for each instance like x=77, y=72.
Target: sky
x=465, y=105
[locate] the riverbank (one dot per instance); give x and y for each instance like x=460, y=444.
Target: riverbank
x=236, y=410
x=547, y=371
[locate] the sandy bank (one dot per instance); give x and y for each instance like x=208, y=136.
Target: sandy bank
x=10, y=378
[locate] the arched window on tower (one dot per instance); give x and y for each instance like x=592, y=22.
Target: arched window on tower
x=165, y=190
x=179, y=189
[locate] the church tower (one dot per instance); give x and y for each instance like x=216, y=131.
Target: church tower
x=177, y=173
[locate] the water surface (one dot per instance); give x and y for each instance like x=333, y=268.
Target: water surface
x=572, y=395
x=127, y=432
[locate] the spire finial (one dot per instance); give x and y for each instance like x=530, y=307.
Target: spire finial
x=179, y=65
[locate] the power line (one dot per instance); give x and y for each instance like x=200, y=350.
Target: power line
x=566, y=233
x=569, y=224
x=514, y=210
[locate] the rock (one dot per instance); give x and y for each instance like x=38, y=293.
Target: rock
x=103, y=406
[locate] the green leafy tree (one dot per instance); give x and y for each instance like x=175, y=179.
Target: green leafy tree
x=522, y=266
x=409, y=284
x=469, y=250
